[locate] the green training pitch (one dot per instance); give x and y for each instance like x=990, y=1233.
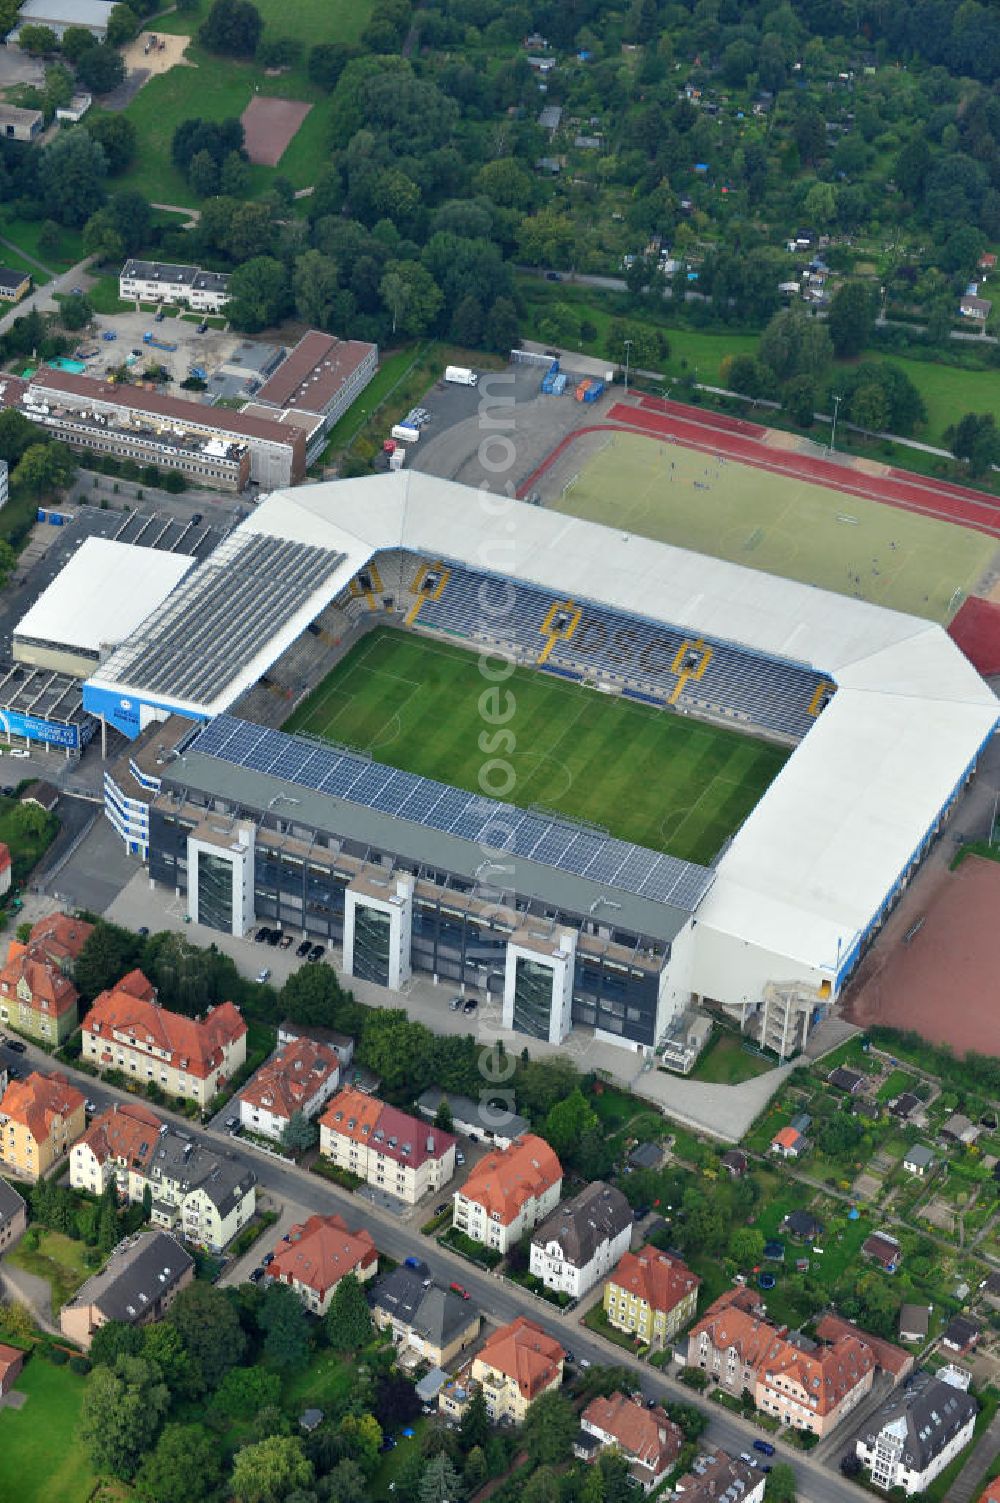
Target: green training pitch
x=777, y=524
x=662, y=780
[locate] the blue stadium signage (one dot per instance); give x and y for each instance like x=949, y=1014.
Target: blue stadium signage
x=14, y=723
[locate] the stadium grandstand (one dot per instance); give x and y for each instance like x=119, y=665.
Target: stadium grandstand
x=565, y=923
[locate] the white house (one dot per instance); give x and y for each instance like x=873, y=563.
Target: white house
x=509, y=1193
x=582, y=1240
x=300, y=1078
x=919, y=1431
x=161, y=282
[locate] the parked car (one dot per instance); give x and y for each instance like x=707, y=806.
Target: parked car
x=455, y=1003
x=764, y=1447
x=459, y=1157
x=470, y=1006
x=261, y=935
x=160, y=316
x=198, y=517
x=17, y=1046
x=317, y=952
x=203, y=326
x=303, y=949
x=457, y=1289
x=286, y=941
x=91, y=1108
x=232, y=1122
x=256, y=1274
x=264, y=974
x=268, y=1259
x=273, y=935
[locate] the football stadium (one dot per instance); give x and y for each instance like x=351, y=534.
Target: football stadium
x=593, y=776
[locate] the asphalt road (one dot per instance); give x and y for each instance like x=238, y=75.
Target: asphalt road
x=499, y=1301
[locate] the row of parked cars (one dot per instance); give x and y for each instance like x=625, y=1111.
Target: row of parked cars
x=305, y=951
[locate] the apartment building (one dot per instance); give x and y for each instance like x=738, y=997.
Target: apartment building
x=127, y=1030
x=804, y=1384
x=717, y=1478
x=137, y=1285
x=652, y=1295
x=386, y=1147
x=13, y=1216
x=916, y=1433
x=518, y=1363
x=647, y=1439
x=161, y=282
x=301, y=1077
x=318, y=1254
x=118, y=1145
x=36, y=997
x=59, y=938
x=425, y=1321
x=582, y=1240
x=212, y=446
x=508, y=1193
x=39, y=1118
x=203, y=1195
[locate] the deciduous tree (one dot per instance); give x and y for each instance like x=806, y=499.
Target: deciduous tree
x=268, y=1471
x=122, y=1413
x=348, y=1319
x=232, y=27
x=185, y=1465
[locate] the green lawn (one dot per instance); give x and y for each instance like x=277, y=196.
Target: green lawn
x=778, y=523
x=58, y=1259
x=39, y=1459
x=661, y=780
x=392, y=369
x=325, y=1381
x=726, y=1062
x=217, y=88
x=26, y=848
x=25, y=232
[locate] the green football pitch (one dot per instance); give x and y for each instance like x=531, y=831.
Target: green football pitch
x=647, y=775
x=779, y=524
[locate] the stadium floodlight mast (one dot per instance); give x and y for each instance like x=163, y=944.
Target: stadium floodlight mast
x=837, y=399
x=628, y=347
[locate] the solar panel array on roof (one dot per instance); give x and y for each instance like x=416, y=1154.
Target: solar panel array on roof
x=532, y=835
x=222, y=616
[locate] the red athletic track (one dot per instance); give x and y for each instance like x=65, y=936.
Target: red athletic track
x=739, y=440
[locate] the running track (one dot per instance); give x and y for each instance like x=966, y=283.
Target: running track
x=742, y=441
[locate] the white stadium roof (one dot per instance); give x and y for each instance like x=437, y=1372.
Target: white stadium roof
x=103, y=594
x=829, y=840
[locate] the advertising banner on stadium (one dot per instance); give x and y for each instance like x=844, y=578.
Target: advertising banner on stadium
x=14, y=723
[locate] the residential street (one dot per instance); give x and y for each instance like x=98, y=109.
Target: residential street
x=499, y=1301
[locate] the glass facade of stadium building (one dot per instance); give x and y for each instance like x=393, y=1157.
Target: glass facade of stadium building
x=301, y=882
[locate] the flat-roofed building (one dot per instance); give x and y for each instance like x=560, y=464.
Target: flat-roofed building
x=17, y=124
x=94, y=603
x=321, y=374
x=162, y=282
x=211, y=446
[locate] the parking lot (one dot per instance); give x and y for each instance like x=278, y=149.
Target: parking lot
x=495, y=434
x=209, y=350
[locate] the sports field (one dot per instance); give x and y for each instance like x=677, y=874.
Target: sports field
x=659, y=779
x=776, y=523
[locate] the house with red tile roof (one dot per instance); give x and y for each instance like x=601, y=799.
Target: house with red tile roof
x=127, y=1030
x=509, y=1192
x=36, y=997
x=118, y=1145
x=517, y=1364
x=890, y=1359
x=318, y=1255
x=789, y=1144
x=806, y=1385
x=39, y=1118
x=388, y=1148
x=301, y=1077
x=652, y=1295
x=59, y=938
x=646, y=1438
